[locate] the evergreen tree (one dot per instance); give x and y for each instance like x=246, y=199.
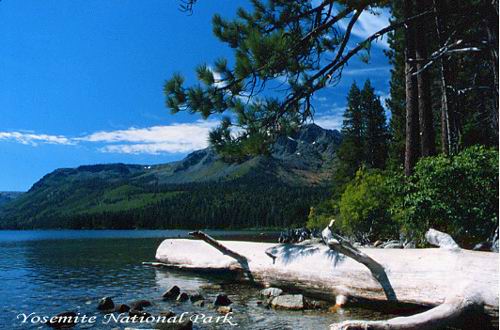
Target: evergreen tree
x=375, y=137
x=351, y=151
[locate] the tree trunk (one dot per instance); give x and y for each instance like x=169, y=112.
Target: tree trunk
x=412, y=122
x=447, y=106
x=426, y=277
x=427, y=135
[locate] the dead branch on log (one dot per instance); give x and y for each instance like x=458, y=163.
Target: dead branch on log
x=242, y=260
x=213, y=242
x=341, y=245
x=435, y=318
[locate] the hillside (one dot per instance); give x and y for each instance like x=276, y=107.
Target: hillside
x=200, y=190
x=7, y=196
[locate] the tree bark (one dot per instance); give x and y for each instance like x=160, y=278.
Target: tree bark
x=427, y=135
x=425, y=277
x=412, y=140
x=447, y=105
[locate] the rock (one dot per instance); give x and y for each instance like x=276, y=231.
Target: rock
x=410, y=245
x=271, y=292
x=288, y=301
x=483, y=246
x=224, y=309
x=122, y=308
x=183, y=297
x=172, y=294
x=62, y=320
x=315, y=304
x=105, y=304
x=134, y=312
x=196, y=297
x=222, y=300
x=184, y=325
x=140, y=304
x=199, y=303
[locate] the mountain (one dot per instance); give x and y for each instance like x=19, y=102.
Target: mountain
x=7, y=196
x=200, y=190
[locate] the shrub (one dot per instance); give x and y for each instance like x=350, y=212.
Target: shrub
x=457, y=195
x=364, y=206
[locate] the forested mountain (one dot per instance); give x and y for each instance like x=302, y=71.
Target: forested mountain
x=7, y=196
x=197, y=192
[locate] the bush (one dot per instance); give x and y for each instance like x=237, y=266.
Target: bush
x=364, y=206
x=457, y=195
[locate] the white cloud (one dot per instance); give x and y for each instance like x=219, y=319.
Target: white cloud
x=382, y=70
x=34, y=139
x=174, y=138
x=368, y=23
x=333, y=121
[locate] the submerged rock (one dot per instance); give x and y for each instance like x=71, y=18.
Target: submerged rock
x=196, y=297
x=211, y=287
x=172, y=294
x=222, y=300
x=184, y=325
x=271, y=292
x=199, y=303
x=288, y=301
x=134, y=312
x=62, y=320
x=316, y=304
x=122, y=308
x=140, y=304
x=105, y=304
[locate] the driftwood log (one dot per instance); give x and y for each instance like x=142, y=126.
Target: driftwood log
x=450, y=279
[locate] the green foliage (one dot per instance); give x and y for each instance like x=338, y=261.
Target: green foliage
x=457, y=195
x=364, y=206
x=276, y=40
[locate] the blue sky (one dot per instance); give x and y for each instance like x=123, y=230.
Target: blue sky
x=81, y=82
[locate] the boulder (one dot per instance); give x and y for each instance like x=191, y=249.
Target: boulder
x=222, y=300
x=182, y=297
x=172, y=293
x=62, y=320
x=122, y=308
x=105, y=304
x=140, y=304
x=288, y=301
x=271, y=292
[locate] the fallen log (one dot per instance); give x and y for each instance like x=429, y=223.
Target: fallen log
x=427, y=277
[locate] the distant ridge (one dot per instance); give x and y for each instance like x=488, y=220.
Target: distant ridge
x=90, y=195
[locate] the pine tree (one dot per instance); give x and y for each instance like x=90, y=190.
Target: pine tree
x=375, y=137
x=351, y=152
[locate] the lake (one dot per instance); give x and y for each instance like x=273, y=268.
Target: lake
x=50, y=271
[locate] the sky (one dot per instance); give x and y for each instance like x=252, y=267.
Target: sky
x=81, y=82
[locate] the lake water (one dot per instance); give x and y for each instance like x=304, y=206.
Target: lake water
x=48, y=272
